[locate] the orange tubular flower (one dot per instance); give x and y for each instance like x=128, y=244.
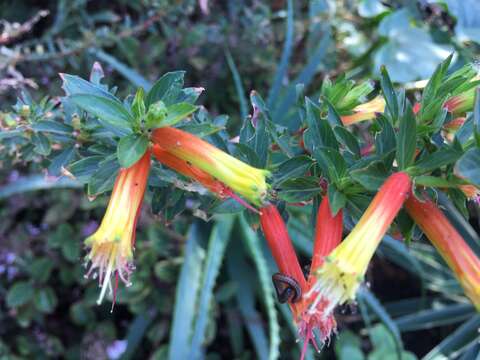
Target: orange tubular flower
x=449, y=243
x=291, y=282
x=365, y=111
x=186, y=169
x=461, y=103
x=111, y=246
x=328, y=234
x=341, y=274
x=241, y=178
x=285, y=257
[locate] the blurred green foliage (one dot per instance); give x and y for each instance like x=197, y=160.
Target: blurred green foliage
x=182, y=292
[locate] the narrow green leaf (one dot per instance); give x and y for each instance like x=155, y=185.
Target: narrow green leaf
x=130, y=74
x=105, y=109
x=336, y=199
x=460, y=337
x=253, y=244
x=130, y=149
x=73, y=85
x=374, y=304
x=292, y=168
x=348, y=140
x=238, y=85
x=219, y=238
x=138, y=105
x=53, y=127
x=389, y=94
x=406, y=139
x=442, y=157
x=282, y=67
x=186, y=295
x=372, y=176
x=468, y=166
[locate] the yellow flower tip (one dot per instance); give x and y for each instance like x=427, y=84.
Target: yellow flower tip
x=111, y=246
x=366, y=111
x=109, y=260
x=337, y=283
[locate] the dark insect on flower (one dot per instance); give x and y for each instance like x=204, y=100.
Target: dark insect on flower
x=287, y=288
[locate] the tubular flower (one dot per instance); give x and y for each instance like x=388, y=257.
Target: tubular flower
x=339, y=278
x=285, y=257
x=187, y=169
x=449, y=243
x=328, y=234
x=111, y=246
x=471, y=192
x=291, y=282
x=242, y=178
x=365, y=111
x=450, y=128
x=461, y=103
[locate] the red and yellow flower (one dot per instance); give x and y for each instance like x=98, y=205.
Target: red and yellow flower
x=188, y=170
x=343, y=271
x=241, y=178
x=111, y=246
x=365, y=111
x=328, y=234
x=449, y=243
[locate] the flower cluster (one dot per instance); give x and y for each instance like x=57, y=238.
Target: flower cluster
x=111, y=246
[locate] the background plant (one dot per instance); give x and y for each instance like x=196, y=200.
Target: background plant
x=272, y=48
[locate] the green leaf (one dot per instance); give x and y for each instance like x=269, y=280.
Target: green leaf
x=292, y=168
x=468, y=166
x=332, y=163
x=84, y=168
x=138, y=104
x=102, y=180
x=174, y=114
x=53, y=127
x=186, y=295
x=436, y=160
x=299, y=189
x=374, y=304
x=60, y=160
x=337, y=199
x=41, y=143
x=282, y=67
x=348, y=346
x=74, y=85
x=253, y=244
x=167, y=88
x=430, y=318
x=406, y=139
x=389, y=94
x=219, y=238
x=130, y=149
x=456, y=340
x=41, y=268
x=45, y=300
x=348, y=140
x=19, y=294
x=34, y=183
x=238, y=85
x=372, y=176
x=110, y=111
x=319, y=133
